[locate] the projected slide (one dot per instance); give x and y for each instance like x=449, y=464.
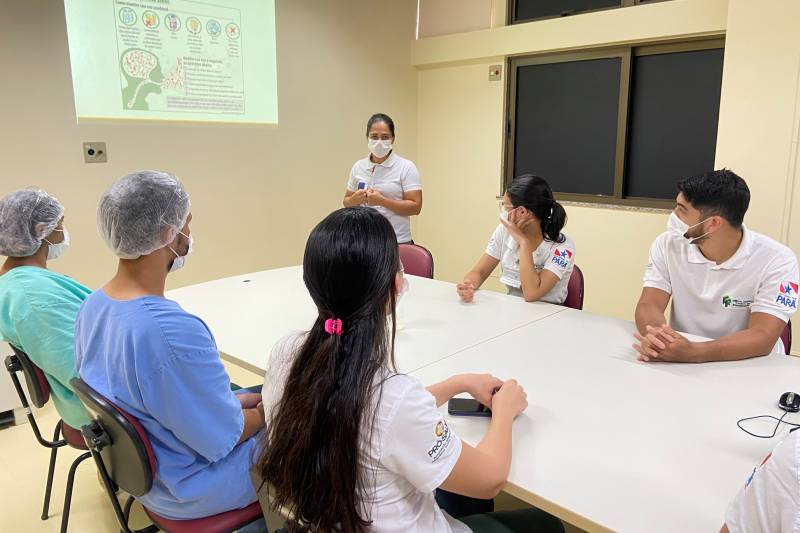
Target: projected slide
x=184, y=60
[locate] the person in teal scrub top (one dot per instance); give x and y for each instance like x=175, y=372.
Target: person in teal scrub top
x=38, y=306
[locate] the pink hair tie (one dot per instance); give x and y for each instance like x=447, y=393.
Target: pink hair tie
x=333, y=326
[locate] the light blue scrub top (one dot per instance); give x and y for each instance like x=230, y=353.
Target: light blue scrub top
x=161, y=365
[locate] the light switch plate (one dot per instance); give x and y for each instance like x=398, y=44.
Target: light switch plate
x=95, y=152
x=495, y=72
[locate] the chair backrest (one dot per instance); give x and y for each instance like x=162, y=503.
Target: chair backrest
x=119, y=439
x=274, y=519
x=786, y=337
x=417, y=260
x=574, y=297
x=38, y=387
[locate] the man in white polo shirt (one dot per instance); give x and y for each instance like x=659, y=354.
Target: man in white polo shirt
x=726, y=282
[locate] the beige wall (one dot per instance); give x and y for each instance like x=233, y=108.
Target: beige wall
x=442, y=17
x=640, y=24
x=461, y=116
x=758, y=110
x=256, y=191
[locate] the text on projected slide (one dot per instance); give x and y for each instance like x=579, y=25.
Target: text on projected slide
x=182, y=60
x=173, y=59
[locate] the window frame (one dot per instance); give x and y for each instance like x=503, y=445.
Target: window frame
x=626, y=54
x=511, y=8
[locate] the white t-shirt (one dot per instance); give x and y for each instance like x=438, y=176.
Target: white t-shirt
x=558, y=258
x=391, y=178
x=412, y=451
x=714, y=300
x=769, y=502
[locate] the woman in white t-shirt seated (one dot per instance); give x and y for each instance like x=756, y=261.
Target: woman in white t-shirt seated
x=353, y=445
x=535, y=257
x=385, y=181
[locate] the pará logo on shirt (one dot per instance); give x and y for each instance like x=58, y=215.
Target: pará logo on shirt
x=787, y=295
x=561, y=258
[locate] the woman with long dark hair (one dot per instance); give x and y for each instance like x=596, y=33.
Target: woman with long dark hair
x=352, y=445
x=536, y=258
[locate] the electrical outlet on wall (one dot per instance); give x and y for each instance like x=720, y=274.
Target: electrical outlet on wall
x=94, y=152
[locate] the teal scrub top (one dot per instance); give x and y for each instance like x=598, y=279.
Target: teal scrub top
x=38, y=308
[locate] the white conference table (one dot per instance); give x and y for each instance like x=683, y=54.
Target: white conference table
x=610, y=443
x=248, y=314
x=607, y=442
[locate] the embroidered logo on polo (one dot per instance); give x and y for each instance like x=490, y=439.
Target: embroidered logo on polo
x=561, y=258
x=443, y=441
x=736, y=303
x=787, y=295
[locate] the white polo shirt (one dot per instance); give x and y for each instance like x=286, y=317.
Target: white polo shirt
x=714, y=300
x=558, y=258
x=391, y=178
x=769, y=502
x=411, y=453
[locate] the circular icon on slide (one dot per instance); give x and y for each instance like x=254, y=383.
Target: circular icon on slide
x=150, y=19
x=193, y=25
x=127, y=16
x=232, y=31
x=173, y=22
x=213, y=28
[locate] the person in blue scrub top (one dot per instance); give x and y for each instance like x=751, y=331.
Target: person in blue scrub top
x=161, y=364
x=38, y=306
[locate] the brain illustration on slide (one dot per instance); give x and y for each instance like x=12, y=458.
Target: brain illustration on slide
x=144, y=75
x=205, y=61
x=185, y=59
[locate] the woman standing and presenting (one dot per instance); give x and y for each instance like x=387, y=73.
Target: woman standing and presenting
x=385, y=181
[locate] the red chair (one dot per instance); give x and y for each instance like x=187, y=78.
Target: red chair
x=786, y=337
x=39, y=390
x=123, y=454
x=417, y=260
x=574, y=297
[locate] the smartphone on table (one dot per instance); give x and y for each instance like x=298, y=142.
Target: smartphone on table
x=467, y=407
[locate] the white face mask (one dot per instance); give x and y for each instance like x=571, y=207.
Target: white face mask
x=678, y=229
x=55, y=250
x=180, y=260
x=379, y=148
x=504, y=213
